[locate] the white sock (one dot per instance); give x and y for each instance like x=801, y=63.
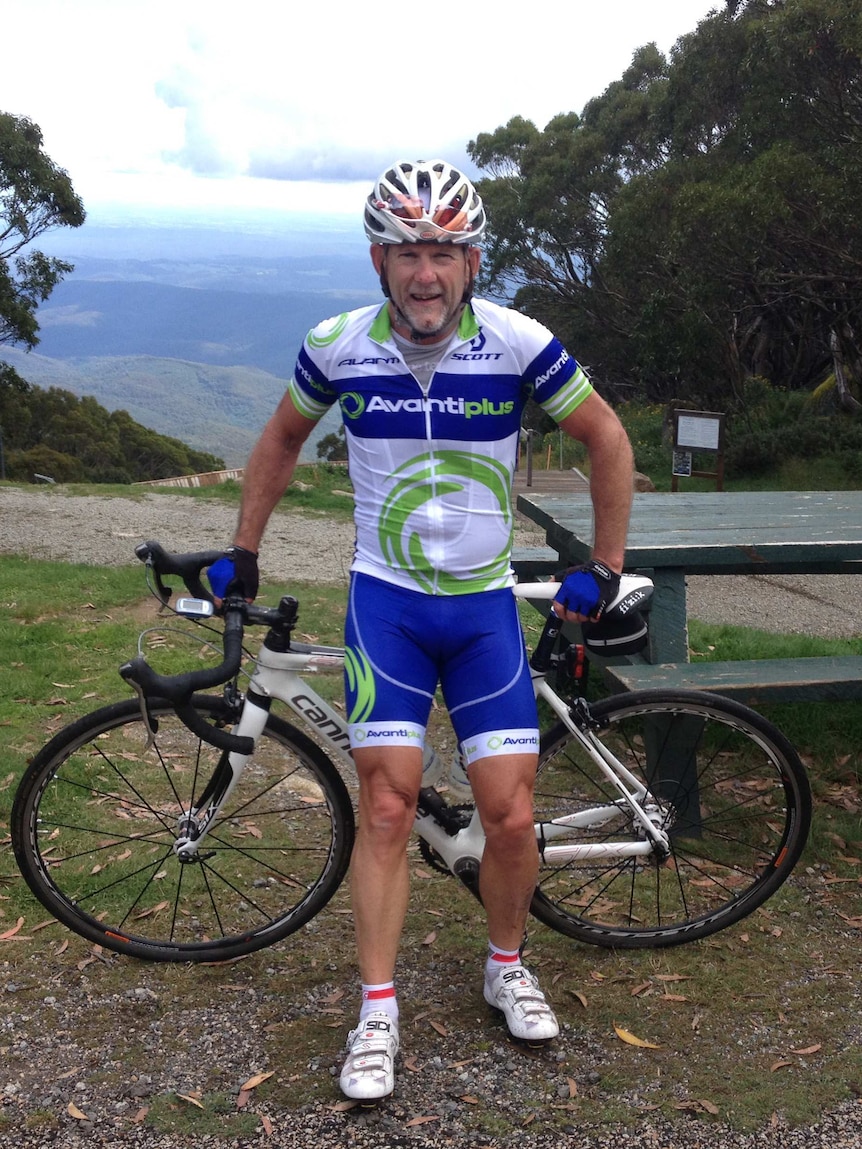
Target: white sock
x=500, y=959
x=379, y=999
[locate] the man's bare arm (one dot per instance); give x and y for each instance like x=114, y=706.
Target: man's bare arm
x=269, y=470
x=597, y=426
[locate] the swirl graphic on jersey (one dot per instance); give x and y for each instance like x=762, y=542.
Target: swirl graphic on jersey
x=428, y=478
x=318, y=337
x=352, y=404
x=360, y=681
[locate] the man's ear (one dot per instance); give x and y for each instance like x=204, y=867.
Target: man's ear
x=378, y=256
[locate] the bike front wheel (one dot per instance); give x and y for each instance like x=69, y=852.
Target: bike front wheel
x=99, y=809
x=724, y=782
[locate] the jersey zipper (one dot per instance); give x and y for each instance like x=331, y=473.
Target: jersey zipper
x=435, y=530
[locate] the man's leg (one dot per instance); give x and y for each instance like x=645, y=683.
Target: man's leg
x=389, y=783
x=503, y=791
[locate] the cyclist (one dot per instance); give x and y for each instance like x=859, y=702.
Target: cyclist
x=431, y=386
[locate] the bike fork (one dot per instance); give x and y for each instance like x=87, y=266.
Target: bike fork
x=194, y=824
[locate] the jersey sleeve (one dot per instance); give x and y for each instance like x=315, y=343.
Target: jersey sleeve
x=559, y=382
x=310, y=388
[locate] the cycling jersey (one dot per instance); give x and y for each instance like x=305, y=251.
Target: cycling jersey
x=432, y=466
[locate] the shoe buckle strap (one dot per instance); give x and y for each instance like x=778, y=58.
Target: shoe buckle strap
x=530, y=1000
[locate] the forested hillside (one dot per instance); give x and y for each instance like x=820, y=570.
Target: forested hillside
x=55, y=434
x=217, y=410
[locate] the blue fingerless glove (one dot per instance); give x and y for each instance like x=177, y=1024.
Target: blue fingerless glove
x=235, y=573
x=588, y=589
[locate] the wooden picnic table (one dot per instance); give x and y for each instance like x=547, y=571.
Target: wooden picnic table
x=695, y=533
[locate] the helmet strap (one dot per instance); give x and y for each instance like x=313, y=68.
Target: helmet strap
x=468, y=289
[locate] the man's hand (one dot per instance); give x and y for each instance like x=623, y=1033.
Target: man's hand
x=587, y=590
x=234, y=573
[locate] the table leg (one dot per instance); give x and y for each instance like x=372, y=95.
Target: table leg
x=668, y=619
x=672, y=741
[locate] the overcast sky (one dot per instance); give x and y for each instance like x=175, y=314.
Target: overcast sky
x=203, y=101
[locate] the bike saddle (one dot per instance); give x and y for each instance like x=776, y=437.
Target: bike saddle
x=622, y=628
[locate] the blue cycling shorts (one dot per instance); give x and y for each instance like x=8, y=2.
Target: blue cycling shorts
x=401, y=643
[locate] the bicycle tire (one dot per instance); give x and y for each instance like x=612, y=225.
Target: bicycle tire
x=732, y=791
x=96, y=815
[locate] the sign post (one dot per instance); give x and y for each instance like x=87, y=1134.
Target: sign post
x=697, y=431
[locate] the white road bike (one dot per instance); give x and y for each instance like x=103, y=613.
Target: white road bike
x=186, y=826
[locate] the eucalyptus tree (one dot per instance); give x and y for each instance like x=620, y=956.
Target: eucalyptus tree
x=699, y=222
x=35, y=195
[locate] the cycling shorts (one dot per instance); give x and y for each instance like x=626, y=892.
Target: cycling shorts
x=401, y=643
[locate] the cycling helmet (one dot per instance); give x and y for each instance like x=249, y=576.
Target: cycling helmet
x=622, y=628
x=428, y=201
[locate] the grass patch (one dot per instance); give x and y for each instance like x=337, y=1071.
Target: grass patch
x=711, y=642
x=205, y=1115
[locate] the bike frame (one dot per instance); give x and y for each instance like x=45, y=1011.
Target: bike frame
x=278, y=676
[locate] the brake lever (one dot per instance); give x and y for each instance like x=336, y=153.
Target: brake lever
x=145, y=714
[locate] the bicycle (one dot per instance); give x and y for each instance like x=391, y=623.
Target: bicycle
x=184, y=826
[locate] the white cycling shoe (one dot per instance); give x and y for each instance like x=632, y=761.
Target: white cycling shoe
x=369, y=1069
x=515, y=992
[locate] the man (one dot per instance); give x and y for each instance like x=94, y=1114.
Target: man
x=432, y=385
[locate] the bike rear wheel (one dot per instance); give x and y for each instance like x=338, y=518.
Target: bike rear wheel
x=97, y=813
x=727, y=785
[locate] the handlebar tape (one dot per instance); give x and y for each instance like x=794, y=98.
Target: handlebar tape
x=187, y=566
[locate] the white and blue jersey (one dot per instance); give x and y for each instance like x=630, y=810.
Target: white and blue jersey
x=432, y=466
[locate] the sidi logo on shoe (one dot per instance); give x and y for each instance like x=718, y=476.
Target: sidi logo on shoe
x=375, y=1023
x=511, y=975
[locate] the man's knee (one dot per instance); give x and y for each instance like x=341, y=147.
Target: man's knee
x=388, y=791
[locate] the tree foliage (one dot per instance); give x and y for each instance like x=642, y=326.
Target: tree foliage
x=53, y=432
x=35, y=195
x=698, y=223
x=333, y=447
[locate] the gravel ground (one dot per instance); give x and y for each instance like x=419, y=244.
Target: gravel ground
x=49, y=1059
x=52, y=525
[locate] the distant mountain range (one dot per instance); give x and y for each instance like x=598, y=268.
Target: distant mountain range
x=194, y=331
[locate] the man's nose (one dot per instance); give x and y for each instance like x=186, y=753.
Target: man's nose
x=426, y=269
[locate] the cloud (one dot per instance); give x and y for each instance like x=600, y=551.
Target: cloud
x=328, y=91
x=68, y=315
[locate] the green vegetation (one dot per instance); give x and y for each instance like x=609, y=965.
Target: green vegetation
x=780, y=440
x=35, y=196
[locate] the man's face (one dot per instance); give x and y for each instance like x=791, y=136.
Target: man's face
x=426, y=285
